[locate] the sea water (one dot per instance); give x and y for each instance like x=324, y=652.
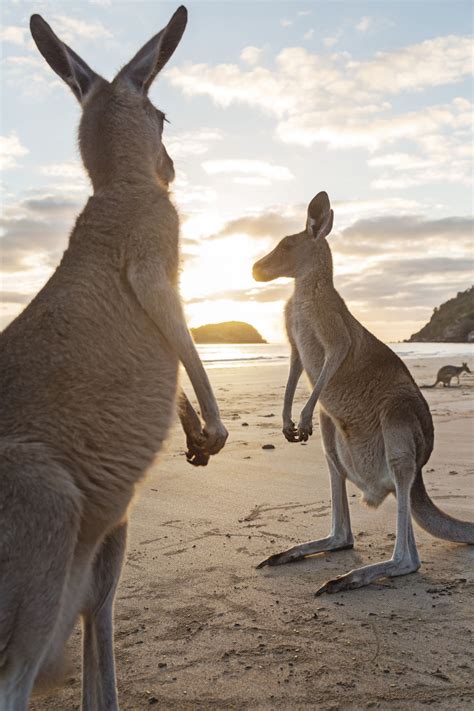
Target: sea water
x=227, y=355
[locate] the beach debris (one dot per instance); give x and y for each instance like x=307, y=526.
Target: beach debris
x=268, y=446
x=244, y=424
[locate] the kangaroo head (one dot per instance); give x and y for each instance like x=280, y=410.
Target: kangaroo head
x=465, y=367
x=305, y=252
x=120, y=132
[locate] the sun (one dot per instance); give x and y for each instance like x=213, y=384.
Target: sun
x=217, y=285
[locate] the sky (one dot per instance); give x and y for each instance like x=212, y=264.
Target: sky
x=268, y=103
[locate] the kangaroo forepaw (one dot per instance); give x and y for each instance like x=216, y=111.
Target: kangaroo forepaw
x=305, y=430
x=290, y=432
x=197, y=458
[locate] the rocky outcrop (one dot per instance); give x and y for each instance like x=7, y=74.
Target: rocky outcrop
x=452, y=322
x=227, y=332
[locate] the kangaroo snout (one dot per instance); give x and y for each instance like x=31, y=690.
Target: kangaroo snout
x=259, y=272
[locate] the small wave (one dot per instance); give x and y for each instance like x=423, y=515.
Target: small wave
x=243, y=360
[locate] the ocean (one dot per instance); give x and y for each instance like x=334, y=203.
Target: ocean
x=228, y=355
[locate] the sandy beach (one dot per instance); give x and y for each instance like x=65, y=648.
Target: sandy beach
x=198, y=627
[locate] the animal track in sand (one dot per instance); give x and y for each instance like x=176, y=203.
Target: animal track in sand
x=259, y=509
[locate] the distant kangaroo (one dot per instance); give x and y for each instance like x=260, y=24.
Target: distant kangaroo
x=447, y=372
x=88, y=383
x=376, y=427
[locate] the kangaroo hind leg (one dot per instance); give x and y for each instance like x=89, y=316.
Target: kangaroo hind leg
x=340, y=537
x=40, y=519
x=400, y=451
x=99, y=691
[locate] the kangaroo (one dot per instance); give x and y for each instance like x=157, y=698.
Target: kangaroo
x=447, y=373
x=376, y=426
x=88, y=381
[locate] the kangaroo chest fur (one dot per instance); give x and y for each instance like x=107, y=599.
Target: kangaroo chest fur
x=354, y=402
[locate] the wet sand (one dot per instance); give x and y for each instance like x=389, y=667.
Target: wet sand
x=198, y=627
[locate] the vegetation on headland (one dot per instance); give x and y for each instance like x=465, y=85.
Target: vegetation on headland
x=452, y=322
x=227, y=332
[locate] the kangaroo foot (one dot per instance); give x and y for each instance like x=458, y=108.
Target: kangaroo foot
x=293, y=555
x=368, y=574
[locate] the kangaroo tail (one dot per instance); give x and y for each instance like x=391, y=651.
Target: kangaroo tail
x=432, y=519
x=430, y=386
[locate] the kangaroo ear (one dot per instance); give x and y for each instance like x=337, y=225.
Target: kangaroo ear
x=61, y=58
x=320, y=216
x=143, y=68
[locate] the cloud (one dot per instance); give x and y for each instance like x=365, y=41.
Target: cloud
x=192, y=143
x=35, y=231
x=71, y=28
x=364, y=24
x=188, y=195
x=14, y=297
x=331, y=41
x=389, y=236
x=266, y=224
x=369, y=24
x=14, y=35
x=11, y=148
x=326, y=80
x=308, y=35
x=411, y=285
x=410, y=227
x=284, y=22
x=68, y=169
x=366, y=130
x=30, y=76
x=68, y=177
x=445, y=156
x=251, y=55
x=343, y=103
x=271, y=293
x=435, y=62
x=252, y=168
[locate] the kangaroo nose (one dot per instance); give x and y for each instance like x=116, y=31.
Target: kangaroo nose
x=256, y=273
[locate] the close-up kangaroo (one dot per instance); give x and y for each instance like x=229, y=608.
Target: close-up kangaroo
x=89, y=380
x=376, y=427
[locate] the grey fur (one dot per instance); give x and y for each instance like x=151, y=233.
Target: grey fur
x=88, y=381
x=376, y=427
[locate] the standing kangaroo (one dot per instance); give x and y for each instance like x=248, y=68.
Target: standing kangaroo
x=447, y=373
x=376, y=427
x=88, y=383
